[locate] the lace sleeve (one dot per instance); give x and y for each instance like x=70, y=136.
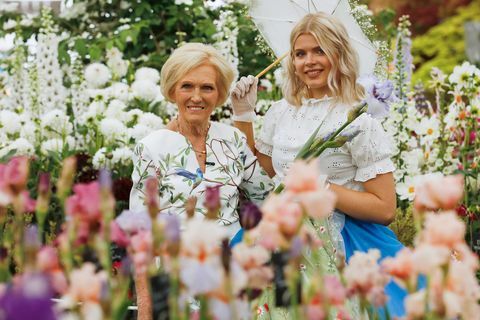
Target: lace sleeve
x=371, y=149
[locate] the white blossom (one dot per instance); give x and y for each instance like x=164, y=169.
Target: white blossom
x=97, y=75
x=21, y=146
x=9, y=24
x=113, y=130
x=122, y=156
x=120, y=91
x=145, y=90
x=100, y=160
x=149, y=74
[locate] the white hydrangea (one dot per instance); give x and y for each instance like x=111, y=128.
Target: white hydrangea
x=57, y=145
x=139, y=131
x=122, y=156
x=120, y=91
x=151, y=120
x=134, y=115
x=97, y=75
x=100, y=159
x=115, y=110
x=21, y=146
x=145, y=90
x=149, y=74
x=113, y=131
x=56, y=123
x=10, y=122
x=28, y=131
x=119, y=67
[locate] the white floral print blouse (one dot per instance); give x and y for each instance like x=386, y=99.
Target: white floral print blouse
x=230, y=164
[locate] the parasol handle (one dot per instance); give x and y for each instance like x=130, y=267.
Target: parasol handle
x=273, y=64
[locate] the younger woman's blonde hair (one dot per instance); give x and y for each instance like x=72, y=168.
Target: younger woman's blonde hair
x=190, y=56
x=332, y=37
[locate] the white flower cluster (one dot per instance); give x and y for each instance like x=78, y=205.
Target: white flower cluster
x=427, y=141
x=226, y=37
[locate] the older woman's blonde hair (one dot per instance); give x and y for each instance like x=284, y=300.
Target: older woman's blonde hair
x=332, y=37
x=190, y=56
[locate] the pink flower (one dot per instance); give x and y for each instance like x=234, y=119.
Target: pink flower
x=86, y=284
x=47, y=259
x=401, y=266
x=438, y=192
x=444, y=229
x=318, y=204
x=302, y=177
x=335, y=292
x=415, y=305
x=253, y=260
x=427, y=258
x=362, y=273
x=15, y=174
x=118, y=236
x=269, y=235
x=315, y=312
x=85, y=203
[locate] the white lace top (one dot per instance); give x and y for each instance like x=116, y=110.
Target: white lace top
x=286, y=128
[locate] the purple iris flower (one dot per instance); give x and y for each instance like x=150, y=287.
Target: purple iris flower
x=31, y=299
x=378, y=97
x=172, y=226
x=250, y=215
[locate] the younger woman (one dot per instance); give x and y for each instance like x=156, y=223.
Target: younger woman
x=320, y=88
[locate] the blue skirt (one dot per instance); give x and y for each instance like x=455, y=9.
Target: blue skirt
x=361, y=236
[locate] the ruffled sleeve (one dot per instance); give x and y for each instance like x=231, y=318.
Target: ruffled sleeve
x=264, y=141
x=370, y=149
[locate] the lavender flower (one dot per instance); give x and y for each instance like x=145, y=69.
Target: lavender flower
x=105, y=179
x=132, y=222
x=171, y=228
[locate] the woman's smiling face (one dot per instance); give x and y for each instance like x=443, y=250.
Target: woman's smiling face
x=312, y=66
x=196, y=94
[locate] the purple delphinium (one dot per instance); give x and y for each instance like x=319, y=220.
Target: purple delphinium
x=250, y=215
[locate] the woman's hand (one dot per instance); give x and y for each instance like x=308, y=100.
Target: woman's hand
x=244, y=98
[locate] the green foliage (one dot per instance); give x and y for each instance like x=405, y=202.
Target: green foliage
x=404, y=226
x=443, y=46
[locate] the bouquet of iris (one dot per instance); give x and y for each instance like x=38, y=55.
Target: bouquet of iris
x=378, y=96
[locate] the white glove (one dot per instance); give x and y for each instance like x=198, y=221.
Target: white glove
x=244, y=98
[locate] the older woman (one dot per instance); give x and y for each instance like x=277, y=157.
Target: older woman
x=192, y=152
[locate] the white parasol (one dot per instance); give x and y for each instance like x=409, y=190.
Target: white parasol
x=276, y=18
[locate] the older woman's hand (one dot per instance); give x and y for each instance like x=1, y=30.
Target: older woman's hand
x=244, y=97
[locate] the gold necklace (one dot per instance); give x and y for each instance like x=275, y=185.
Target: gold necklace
x=201, y=152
